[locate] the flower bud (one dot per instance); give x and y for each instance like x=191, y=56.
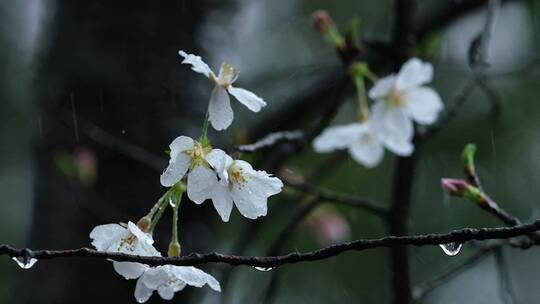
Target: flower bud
x=322, y=21
x=174, y=249
x=324, y=24
x=455, y=187
x=461, y=188
x=467, y=157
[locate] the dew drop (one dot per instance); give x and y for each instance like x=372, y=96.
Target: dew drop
x=171, y=203
x=451, y=249
x=25, y=262
x=264, y=269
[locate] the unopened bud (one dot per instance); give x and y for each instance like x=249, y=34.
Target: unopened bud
x=322, y=21
x=467, y=157
x=324, y=24
x=455, y=187
x=174, y=249
x=461, y=188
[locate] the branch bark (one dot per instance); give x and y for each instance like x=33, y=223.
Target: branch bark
x=458, y=236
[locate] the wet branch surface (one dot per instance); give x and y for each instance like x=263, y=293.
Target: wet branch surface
x=457, y=236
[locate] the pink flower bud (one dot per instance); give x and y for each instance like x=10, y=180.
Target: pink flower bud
x=454, y=186
x=322, y=21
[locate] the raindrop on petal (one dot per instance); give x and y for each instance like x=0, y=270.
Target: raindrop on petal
x=24, y=262
x=451, y=249
x=264, y=269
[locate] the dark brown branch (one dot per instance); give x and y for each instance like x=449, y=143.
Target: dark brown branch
x=457, y=236
x=404, y=41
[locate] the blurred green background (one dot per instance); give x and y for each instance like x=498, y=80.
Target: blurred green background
x=71, y=70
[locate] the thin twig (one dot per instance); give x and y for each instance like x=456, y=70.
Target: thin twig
x=338, y=198
x=456, y=236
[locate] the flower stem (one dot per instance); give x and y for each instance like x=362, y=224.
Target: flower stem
x=204, y=138
x=176, y=201
x=157, y=210
x=363, y=108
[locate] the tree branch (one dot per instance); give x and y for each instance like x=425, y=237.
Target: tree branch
x=457, y=236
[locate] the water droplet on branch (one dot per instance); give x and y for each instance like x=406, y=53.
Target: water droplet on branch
x=171, y=203
x=25, y=262
x=451, y=249
x=264, y=269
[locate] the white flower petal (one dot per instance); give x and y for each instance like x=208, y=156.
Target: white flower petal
x=399, y=146
x=141, y=236
x=382, y=87
x=338, y=137
x=423, y=105
x=165, y=292
x=251, y=195
x=219, y=110
x=222, y=200
x=142, y=293
x=247, y=98
x=200, y=184
x=195, y=277
x=391, y=122
x=368, y=151
x=180, y=144
x=156, y=276
x=105, y=236
x=414, y=73
x=175, y=171
x=197, y=64
x=129, y=270
x=220, y=161
x=178, y=163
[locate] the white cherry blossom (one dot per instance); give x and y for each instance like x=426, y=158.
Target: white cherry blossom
x=362, y=141
x=240, y=184
x=130, y=240
x=402, y=98
x=219, y=109
x=189, y=155
x=169, y=279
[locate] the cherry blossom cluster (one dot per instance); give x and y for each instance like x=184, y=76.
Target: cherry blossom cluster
x=400, y=100
x=204, y=173
x=207, y=173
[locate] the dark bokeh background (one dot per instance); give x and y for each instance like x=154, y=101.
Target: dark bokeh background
x=81, y=79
